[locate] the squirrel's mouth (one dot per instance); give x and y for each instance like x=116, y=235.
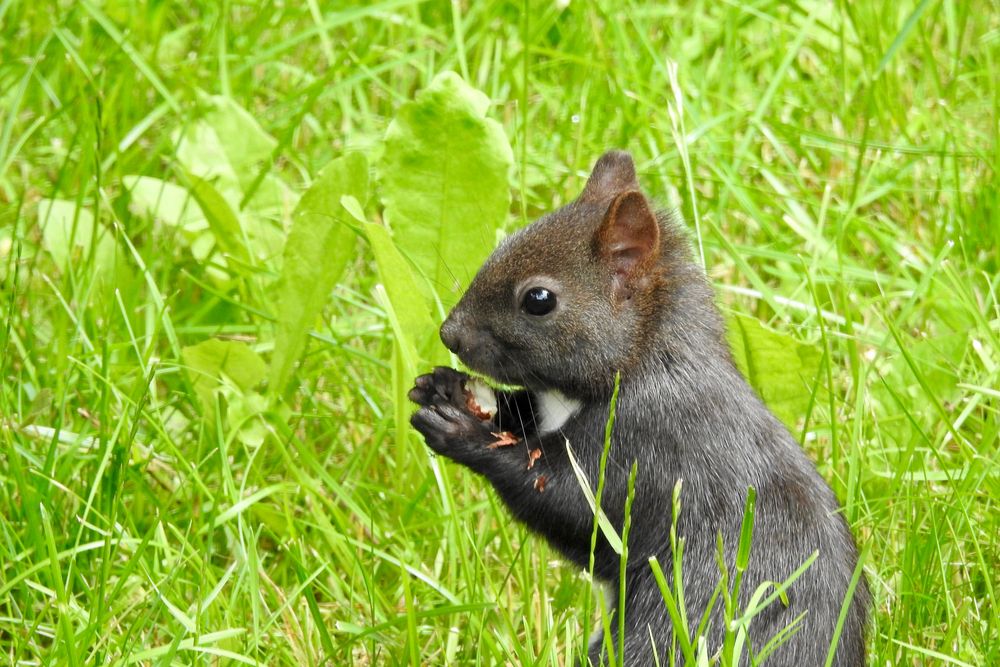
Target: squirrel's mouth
x=492, y=363
x=483, y=364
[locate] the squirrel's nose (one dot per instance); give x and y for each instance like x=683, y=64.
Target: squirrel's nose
x=451, y=334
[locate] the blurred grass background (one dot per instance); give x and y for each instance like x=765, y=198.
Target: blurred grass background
x=837, y=163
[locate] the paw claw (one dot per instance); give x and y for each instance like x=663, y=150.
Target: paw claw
x=422, y=392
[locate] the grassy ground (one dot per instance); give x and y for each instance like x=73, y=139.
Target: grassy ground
x=838, y=163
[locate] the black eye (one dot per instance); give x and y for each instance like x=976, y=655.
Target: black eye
x=539, y=301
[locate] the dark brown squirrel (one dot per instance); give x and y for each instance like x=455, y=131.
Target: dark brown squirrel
x=605, y=287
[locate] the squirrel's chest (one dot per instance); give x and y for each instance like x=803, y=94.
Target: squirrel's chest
x=553, y=410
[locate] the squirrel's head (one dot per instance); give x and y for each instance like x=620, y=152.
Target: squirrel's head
x=567, y=301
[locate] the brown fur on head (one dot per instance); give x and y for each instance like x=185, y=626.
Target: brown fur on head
x=572, y=298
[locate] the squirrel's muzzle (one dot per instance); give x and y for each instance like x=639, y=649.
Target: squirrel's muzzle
x=451, y=334
x=475, y=345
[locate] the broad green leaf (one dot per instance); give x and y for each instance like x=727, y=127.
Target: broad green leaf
x=316, y=253
x=202, y=215
x=226, y=146
x=202, y=157
x=409, y=311
x=216, y=364
x=174, y=46
x=164, y=202
x=246, y=413
x=244, y=141
x=69, y=233
x=221, y=218
x=781, y=369
x=200, y=152
x=353, y=206
x=445, y=181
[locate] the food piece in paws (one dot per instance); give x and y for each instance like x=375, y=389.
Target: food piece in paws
x=480, y=399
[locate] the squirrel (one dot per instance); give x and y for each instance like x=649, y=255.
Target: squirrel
x=603, y=288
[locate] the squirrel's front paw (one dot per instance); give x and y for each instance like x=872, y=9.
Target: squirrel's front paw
x=452, y=430
x=443, y=386
x=446, y=420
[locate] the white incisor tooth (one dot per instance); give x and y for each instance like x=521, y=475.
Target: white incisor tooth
x=483, y=395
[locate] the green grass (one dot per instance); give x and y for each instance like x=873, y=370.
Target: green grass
x=837, y=162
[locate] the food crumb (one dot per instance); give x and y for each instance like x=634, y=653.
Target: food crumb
x=533, y=455
x=504, y=439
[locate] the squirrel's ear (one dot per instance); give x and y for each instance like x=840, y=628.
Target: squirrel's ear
x=613, y=174
x=628, y=239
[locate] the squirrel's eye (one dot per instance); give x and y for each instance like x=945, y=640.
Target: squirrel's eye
x=539, y=301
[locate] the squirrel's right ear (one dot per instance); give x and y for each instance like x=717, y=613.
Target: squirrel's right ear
x=628, y=241
x=613, y=174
